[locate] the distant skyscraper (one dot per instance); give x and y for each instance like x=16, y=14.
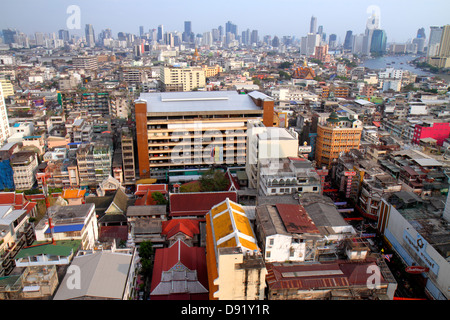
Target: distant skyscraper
x=90, y=37
x=434, y=41
x=332, y=41
x=444, y=48
x=320, y=30
x=39, y=37
x=207, y=38
x=232, y=28
x=373, y=22
x=8, y=35
x=245, y=38
x=378, y=43
x=348, y=42
x=313, y=25
x=313, y=40
x=421, y=33
x=160, y=33
x=275, y=42
x=169, y=39
x=188, y=35
x=141, y=31
x=358, y=43
x=63, y=35
x=254, y=39
x=215, y=34
x=442, y=60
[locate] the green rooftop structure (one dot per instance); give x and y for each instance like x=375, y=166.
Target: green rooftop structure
x=41, y=254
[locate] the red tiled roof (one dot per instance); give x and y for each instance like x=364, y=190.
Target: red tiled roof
x=196, y=203
x=232, y=181
x=193, y=258
x=29, y=206
x=17, y=200
x=188, y=226
x=113, y=232
x=7, y=198
x=144, y=188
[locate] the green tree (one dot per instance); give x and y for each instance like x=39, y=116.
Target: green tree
x=146, y=253
x=284, y=75
x=213, y=180
x=285, y=65
x=159, y=198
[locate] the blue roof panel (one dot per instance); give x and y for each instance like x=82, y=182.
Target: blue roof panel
x=66, y=228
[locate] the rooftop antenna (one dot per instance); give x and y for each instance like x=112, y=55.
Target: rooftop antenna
x=47, y=205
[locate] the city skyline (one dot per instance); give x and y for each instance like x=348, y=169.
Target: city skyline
x=400, y=19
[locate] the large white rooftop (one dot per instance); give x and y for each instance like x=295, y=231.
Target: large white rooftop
x=199, y=101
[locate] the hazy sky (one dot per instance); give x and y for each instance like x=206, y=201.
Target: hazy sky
x=400, y=18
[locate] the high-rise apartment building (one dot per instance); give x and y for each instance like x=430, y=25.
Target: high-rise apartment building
x=434, y=41
x=94, y=163
x=90, y=37
x=336, y=135
x=129, y=171
x=24, y=165
x=179, y=130
x=442, y=60
x=85, y=62
x=182, y=79
x=4, y=123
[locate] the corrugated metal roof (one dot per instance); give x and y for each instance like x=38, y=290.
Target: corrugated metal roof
x=103, y=275
x=318, y=276
x=295, y=219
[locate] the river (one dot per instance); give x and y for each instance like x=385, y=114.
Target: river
x=399, y=62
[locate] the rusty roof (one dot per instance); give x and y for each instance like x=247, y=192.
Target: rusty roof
x=296, y=219
x=318, y=276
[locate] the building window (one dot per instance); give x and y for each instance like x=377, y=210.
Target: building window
x=268, y=254
x=271, y=241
